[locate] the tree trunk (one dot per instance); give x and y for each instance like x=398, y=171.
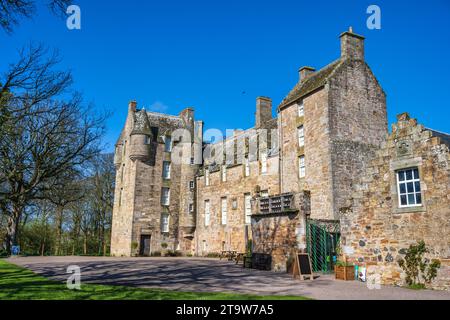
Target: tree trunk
x=59, y=222
x=13, y=228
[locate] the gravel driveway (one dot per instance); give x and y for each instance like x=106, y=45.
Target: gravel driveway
x=211, y=275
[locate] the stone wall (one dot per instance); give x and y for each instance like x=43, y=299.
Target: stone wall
x=140, y=153
x=281, y=235
x=376, y=231
x=233, y=235
x=358, y=125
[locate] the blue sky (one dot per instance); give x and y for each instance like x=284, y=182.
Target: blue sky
x=218, y=56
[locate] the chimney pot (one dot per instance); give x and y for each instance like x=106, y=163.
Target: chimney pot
x=132, y=105
x=306, y=71
x=352, y=45
x=263, y=111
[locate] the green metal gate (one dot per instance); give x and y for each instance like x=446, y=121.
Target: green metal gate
x=322, y=237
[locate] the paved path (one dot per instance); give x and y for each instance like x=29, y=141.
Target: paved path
x=211, y=275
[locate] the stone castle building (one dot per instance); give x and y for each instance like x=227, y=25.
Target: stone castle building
x=324, y=173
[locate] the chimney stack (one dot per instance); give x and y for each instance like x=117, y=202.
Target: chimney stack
x=352, y=45
x=132, y=106
x=304, y=72
x=263, y=111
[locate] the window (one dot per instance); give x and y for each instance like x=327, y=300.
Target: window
x=408, y=185
x=191, y=207
x=192, y=185
x=301, y=167
x=148, y=139
x=207, y=177
x=248, y=208
x=192, y=161
x=263, y=162
x=246, y=167
x=224, y=210
x=167, y=144
x=165, y=223
x=224, y=173
x=204, y=245
x=301, y=110
x=166, y=170
x=207, y=213
x=301, y=136
x=165, y=196
x=264, y=193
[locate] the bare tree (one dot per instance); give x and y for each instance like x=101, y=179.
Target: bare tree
x=67, y=190
x=11, y=11
x=102, y=198
x=43, y=136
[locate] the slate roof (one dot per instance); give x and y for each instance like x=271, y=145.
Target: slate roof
x=310, y=84
x=141, y=123
x=445, y=137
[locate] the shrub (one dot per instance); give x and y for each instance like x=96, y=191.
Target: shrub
x=343, y=264
x=414, y=265
x=156, y=254
x=213, y=255
x=164, y=245
x=172, y=253
x=3, y=253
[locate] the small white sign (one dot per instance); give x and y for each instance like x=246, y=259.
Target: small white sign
x=348, y=250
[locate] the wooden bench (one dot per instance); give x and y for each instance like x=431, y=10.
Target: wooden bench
x=230, y=255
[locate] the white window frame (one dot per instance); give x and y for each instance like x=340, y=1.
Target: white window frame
x=165, y=222
x=405, y=182
x=246, y=167
x=301, y=136
x=207, y=213
x=248, y=208
x=263, y=162
x=163, y=197
x=224, y=173
x=168, y=144
x=301, y=109
x=192, y=185
x=301, y=167
x=264, y=193
x=207, y=177
x=224, y=210
x=166, y=170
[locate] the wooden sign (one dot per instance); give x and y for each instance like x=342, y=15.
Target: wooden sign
x=302, y=266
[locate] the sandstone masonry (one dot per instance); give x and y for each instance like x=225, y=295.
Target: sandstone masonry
x=325, y=160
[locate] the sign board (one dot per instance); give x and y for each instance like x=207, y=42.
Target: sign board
x=302, y=266
x=15, y=250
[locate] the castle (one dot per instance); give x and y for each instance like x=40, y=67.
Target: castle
x=324, y=174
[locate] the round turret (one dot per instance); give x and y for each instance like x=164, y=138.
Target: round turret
x=141, y=137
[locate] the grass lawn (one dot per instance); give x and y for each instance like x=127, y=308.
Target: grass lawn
x=18, y=283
